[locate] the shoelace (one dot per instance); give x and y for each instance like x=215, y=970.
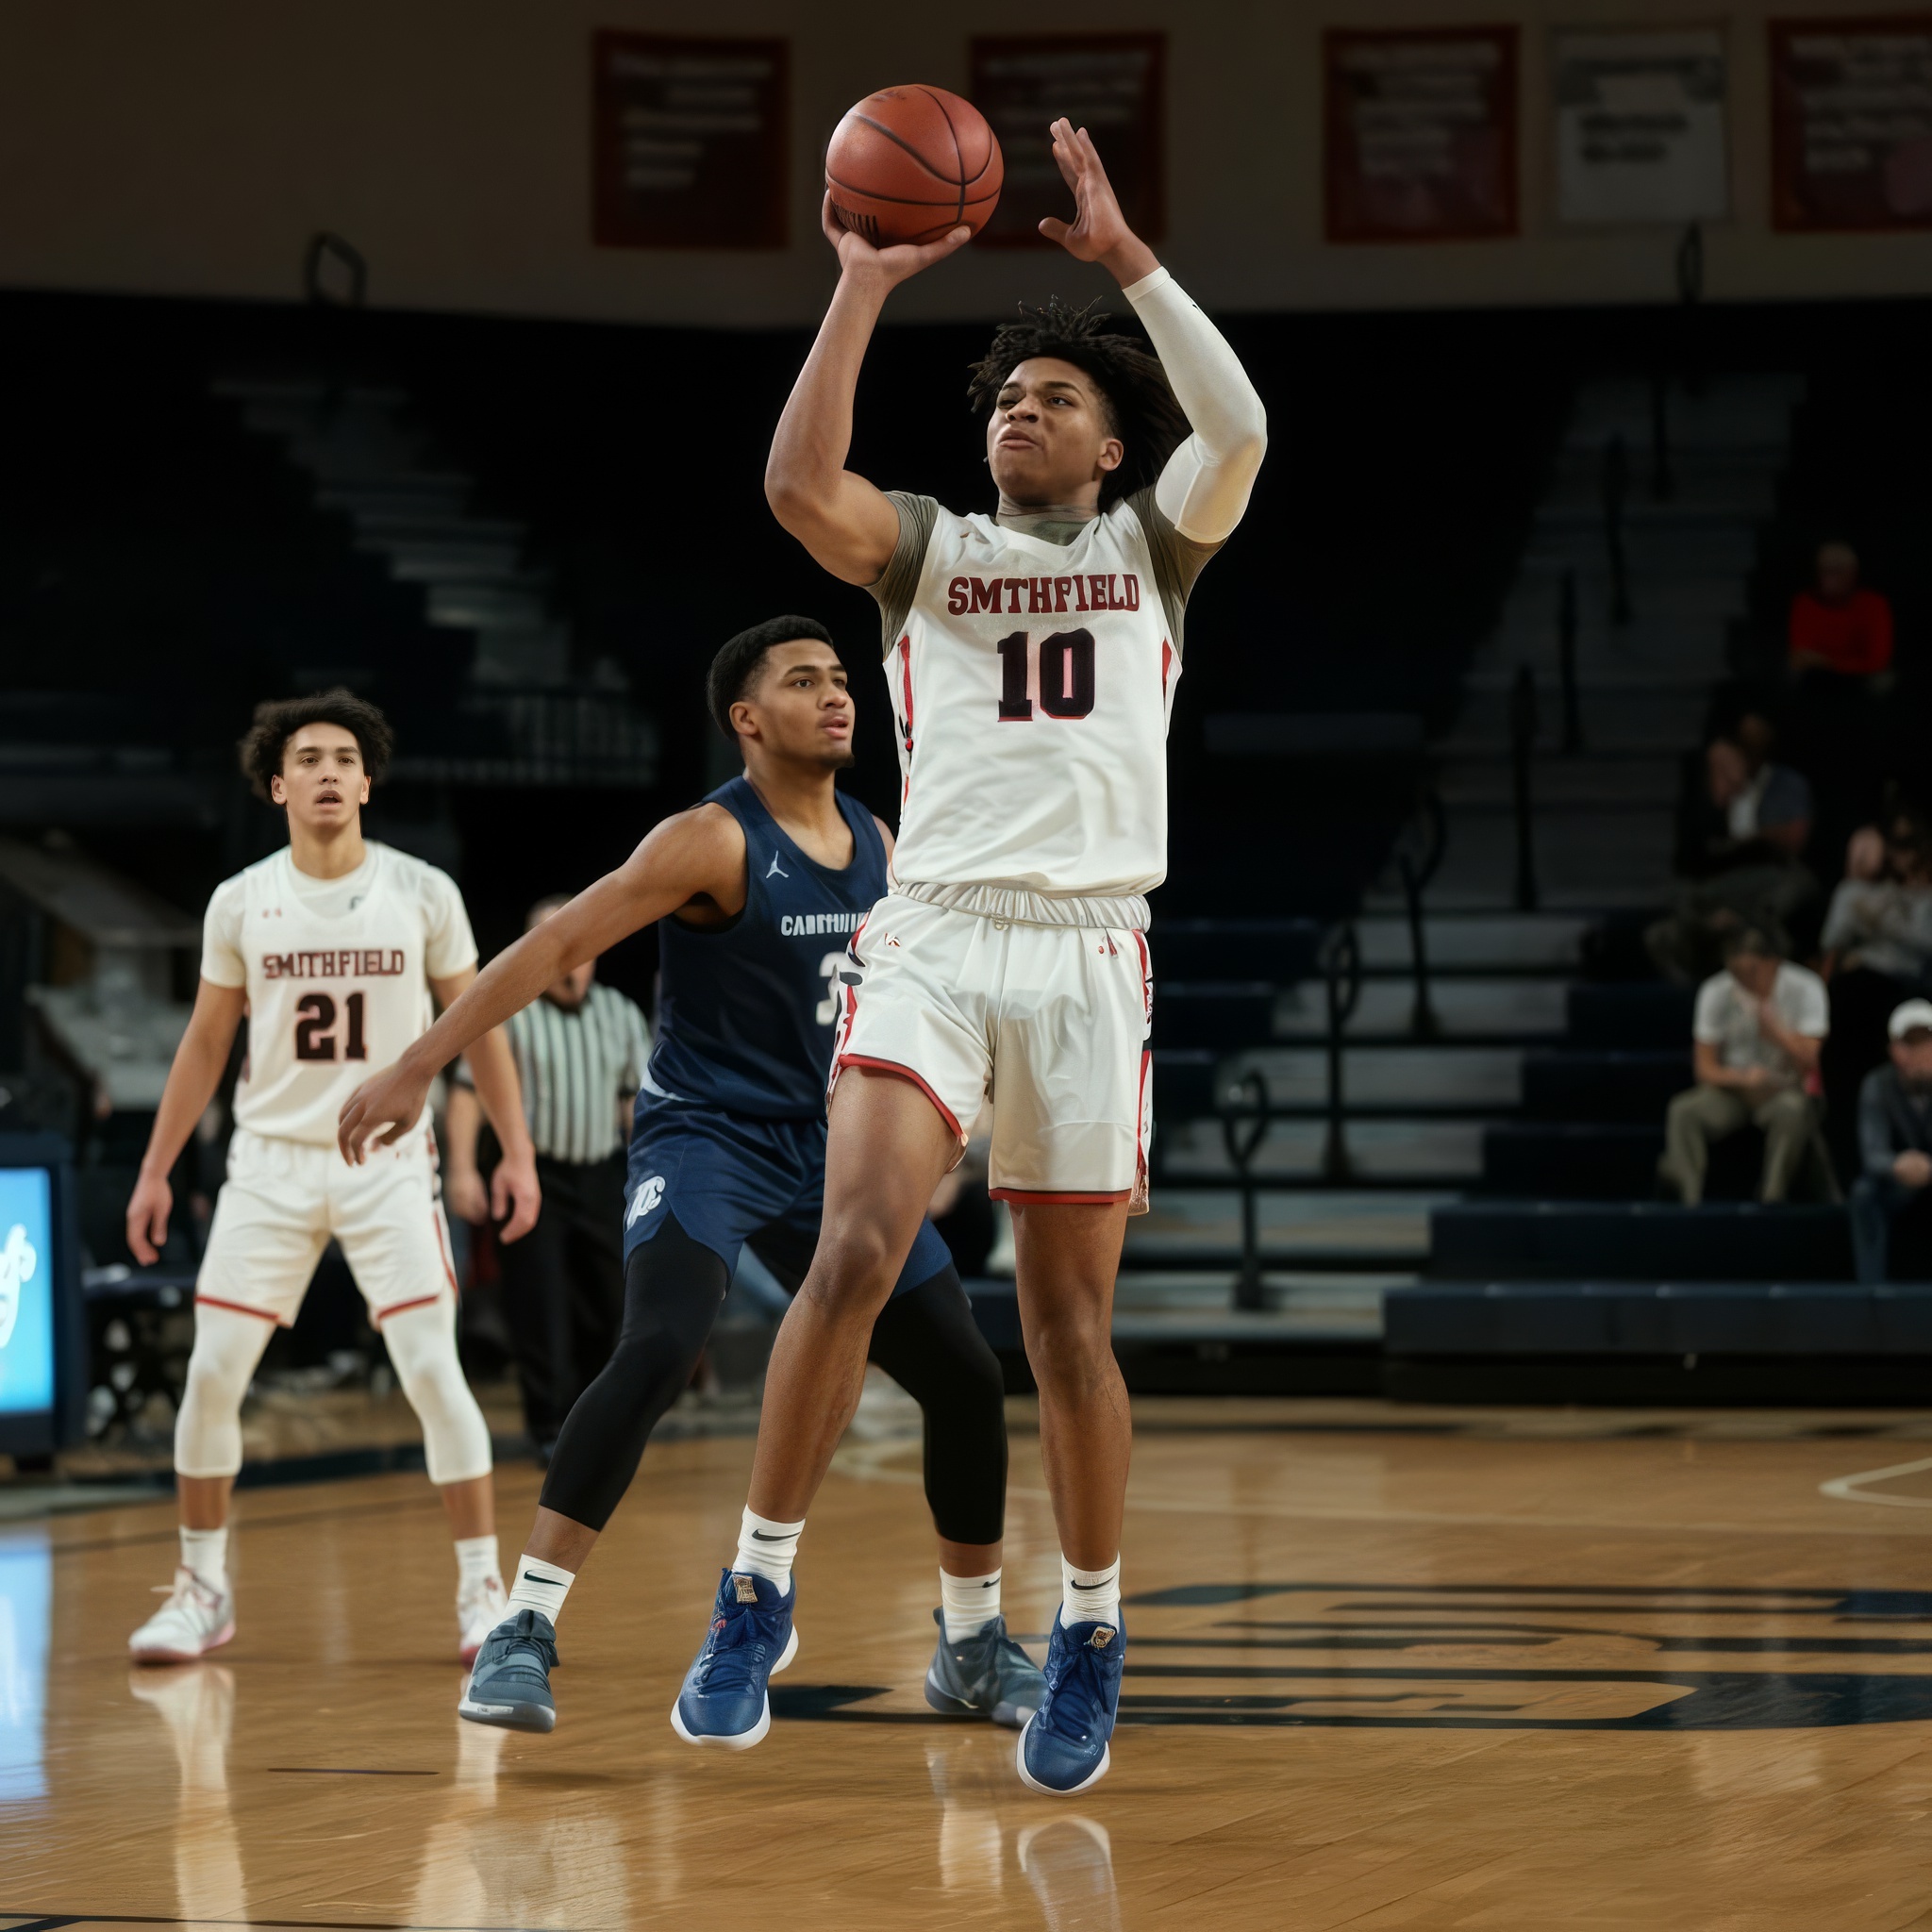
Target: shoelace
x=1077, y=1691
x=526, y=1636
x=738, y=1644
x=187, y=1588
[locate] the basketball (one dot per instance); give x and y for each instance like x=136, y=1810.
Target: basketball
x=912, y=164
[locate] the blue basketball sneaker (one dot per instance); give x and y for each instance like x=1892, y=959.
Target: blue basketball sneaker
x=1064, y=1747
x=751, y=1639
x=986, y=1674
x=510, y=1684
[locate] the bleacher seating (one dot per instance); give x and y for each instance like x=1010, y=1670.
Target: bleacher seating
x=1639, y=1241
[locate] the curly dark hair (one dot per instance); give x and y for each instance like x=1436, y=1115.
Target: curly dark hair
x=1141, y=407
x=279, y=719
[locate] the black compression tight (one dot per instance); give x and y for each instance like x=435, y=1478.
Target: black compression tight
x=925, y=1339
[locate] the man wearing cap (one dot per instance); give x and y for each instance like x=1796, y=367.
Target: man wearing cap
x=1894, y=1139
x=1757, y=1028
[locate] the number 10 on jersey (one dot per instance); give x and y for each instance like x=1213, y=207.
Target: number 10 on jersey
x=1065, y=678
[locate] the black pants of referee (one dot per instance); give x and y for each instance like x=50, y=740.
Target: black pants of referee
x=563, y=1288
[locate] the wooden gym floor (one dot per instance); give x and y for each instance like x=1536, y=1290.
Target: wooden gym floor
x=1387, y=1668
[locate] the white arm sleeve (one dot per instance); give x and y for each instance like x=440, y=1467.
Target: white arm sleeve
x=1203, y=489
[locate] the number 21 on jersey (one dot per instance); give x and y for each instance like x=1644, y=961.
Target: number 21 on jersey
x=315, y=1021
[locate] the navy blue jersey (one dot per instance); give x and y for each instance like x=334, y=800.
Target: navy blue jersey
x=745, y=1010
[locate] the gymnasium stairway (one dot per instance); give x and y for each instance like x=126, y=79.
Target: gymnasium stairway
x=542, y=719
x=1457, y=1098
x=1603, y=813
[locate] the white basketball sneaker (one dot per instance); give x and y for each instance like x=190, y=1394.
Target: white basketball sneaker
x=197, y=1619
x=479, y=1609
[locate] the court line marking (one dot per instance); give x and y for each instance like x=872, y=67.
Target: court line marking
x=33, y=1921
x=869, y=1463
x=1850, y=1488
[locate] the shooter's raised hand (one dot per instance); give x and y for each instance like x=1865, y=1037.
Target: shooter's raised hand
x=1099, y=230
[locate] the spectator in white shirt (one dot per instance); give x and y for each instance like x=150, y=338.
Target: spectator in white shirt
x=1758, y=1030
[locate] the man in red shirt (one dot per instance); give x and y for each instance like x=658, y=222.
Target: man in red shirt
x=1839, y=626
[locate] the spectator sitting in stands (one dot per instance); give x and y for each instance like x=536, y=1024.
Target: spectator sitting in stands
x=1741, y=848
x=1880, y=919
x=1840, y=629
x=1894, y=1141
x=1878, y=946
x=1757, y=1028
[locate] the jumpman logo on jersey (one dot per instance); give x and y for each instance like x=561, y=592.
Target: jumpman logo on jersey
x=777, y=870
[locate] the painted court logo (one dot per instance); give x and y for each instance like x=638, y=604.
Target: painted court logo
x=19, y=1259
x=647, y=1196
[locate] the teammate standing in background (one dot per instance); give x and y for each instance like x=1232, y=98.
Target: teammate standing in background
x=333, y=948
x=1033, y=655
x=755, y=891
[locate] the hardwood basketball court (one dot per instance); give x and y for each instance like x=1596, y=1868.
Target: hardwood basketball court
x=1388, y=1668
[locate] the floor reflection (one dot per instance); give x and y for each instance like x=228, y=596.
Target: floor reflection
x=994, y=1847
x=197, y=1703
x=517, y=1865
x=26, y=1595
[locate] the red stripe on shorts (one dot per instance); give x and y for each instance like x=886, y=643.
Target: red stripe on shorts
x=240, y=1309
x=1034, y=1197
x=422, y=1301
x=442, y=1255
x=860, y=1059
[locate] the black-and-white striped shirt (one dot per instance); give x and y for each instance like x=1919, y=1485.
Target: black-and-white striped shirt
x=573, y=1067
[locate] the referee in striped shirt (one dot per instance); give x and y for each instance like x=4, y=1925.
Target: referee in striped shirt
x=581, y=1051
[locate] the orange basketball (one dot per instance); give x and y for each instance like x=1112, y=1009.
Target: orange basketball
x=912, y=164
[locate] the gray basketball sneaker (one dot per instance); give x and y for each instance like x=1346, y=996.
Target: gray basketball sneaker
x=987, y=1674
x=511, y=1683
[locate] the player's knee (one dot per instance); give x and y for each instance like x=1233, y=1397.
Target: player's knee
x=208, y=1431
x=422, y=1351
x=852, y=1272
x=1070, y=1350
x=975, y=1386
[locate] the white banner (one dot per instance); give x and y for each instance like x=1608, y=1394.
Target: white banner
x=1640, y=126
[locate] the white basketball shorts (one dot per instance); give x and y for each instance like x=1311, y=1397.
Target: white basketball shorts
x=1050, y=1023
x=283, y=1201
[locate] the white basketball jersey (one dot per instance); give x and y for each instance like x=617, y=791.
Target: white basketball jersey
x=338, y=976
x=1033, y=683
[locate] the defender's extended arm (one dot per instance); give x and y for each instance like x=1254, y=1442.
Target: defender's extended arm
x=697, y=853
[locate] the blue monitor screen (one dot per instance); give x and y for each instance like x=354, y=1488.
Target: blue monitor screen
x=26, y=1292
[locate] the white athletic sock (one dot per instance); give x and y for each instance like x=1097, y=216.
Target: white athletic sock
x=539, y=1586
x=968, y=1603
x=206, y=1552
x=1090, y=1596
x=477, y=1561
x=768, y=1549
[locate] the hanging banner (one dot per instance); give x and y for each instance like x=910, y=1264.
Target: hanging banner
x=1420, y=134
x=1851, y=123
x=1111, y=85
x=1640, y=126
x=689, y=141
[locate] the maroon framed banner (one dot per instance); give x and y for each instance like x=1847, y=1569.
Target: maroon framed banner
x=691, y=140
x=1420, y=133
x=1113, y=85
x=1851, y=123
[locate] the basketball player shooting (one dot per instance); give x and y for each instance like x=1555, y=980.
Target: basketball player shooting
x=333, y=948
x=1032, y=654
x=752, y=890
